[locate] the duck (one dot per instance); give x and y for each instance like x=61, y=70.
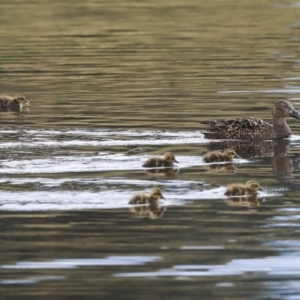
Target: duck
x=166, y=161
x=154, y=196
x=239, y=189
x=15, y=103
x=250, y=128
x=217, y=156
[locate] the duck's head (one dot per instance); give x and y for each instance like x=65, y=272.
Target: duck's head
x=283, y=108
x=156, y=194
x=21, y=99
x=230, y=154
x=253, y=185
x=170, y=157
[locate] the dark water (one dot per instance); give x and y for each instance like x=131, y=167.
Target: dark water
x=113, y=82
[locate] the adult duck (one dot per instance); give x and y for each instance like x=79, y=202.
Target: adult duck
x=249, y=128
x=15, y=103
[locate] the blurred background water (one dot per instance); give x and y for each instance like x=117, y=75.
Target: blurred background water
x=112, y=83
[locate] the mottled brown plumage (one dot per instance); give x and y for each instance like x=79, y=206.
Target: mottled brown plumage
x=249, y=128
x=166, y=161
x=154, y=196
x=239, y=189
x=15, y=103
x=217, y=156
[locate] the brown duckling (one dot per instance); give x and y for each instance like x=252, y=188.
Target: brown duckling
x=239, y=189
x=154, y=196
x=15, y=103
x=216, y=156
x=166, y=161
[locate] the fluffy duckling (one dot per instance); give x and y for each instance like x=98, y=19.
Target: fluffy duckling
x=166, y=161
x=238, y=189
x=15, y=103
x=216, y=156
x=154, y=196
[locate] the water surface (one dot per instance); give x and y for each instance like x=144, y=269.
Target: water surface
x=112, y=83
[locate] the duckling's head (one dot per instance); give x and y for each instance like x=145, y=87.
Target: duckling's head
x=230, y=154
x=156, y=194
x=21, y=99
x=253, y=185
x=170, y=157
x=283, y=108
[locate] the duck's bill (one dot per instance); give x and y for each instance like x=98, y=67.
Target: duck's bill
x=295, y=114
x=261, y=189
x=236, y=156
x=27, y=101
x=162, y=197
x=176, y=161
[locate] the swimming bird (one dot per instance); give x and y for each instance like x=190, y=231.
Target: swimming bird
x=239, y=189
x=217, y=156
x=15, y=103
x=154, y=196
x=249, y=128
x=166, y=161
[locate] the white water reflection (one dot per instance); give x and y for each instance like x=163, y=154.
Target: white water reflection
x=81, y=163
x=108, y=199
x=77, y=262
x=269, y=266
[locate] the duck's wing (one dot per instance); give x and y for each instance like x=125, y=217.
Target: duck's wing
x=244, y=128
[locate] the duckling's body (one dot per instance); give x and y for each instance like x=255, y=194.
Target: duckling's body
x=249, y=128
x=239, y=189
x=166, y=161
x=217, y=156
x=154, y=196
x=15, y=103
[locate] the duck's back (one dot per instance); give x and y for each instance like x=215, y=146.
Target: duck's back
x=245, y=128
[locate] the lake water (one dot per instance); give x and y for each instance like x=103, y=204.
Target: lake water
x=112, y=83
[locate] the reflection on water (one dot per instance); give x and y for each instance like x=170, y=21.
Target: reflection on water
x=113, y=83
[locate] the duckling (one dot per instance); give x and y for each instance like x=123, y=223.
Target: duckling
x=238, y=189
x=154, y=196
x=216, y=156
x=8, y=103
x=166, y=161
x=249, y=128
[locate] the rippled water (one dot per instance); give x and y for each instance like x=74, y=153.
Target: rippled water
x=113, y=83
